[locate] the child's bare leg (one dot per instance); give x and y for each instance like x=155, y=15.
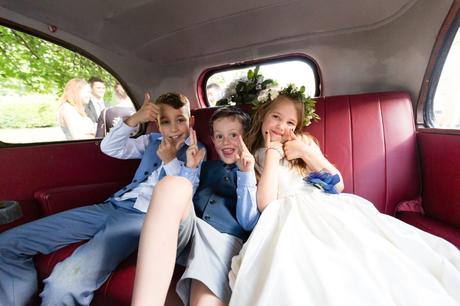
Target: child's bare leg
x=171, y=202
x=200, y=295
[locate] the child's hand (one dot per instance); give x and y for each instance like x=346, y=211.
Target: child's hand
x=168, y=149
x=148, y=112
x=244, y=159
x=294, y=147
x=300, y=147
x=194, y=155
x=273, y=147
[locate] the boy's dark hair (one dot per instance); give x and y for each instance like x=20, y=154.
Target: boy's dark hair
x=175, y=100
x=95, y=79
x=231, y=112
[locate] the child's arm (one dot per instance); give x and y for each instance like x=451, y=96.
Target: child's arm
x=247, y=213
x=117, y=142
x=305, y=148
x=267, y=188
x=246, y=204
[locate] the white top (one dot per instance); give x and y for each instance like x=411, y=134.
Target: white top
x=118, y=144
x=74, y=125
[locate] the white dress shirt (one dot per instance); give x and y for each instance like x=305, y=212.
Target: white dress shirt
x=118, y=144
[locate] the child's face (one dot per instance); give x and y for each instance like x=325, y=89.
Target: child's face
x=174, y=123
x=225, y=138
x=281, y=118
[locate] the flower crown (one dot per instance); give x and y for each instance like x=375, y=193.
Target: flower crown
x=292, y=92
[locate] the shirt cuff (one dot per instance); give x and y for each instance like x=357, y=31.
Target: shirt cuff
x=190, y=172
x=173, y=167
x=246, y=178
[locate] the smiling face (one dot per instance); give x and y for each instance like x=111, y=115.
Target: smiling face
x=174, y=124
x=282, y=117
x=98, y=90
x=225, y=138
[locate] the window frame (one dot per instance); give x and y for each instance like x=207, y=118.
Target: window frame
x=207, y=73
x=424, y=109
x=70, y=47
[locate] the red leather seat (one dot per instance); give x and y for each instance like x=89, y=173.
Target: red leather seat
x=371, y=138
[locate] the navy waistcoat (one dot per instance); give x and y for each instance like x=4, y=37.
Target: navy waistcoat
x=215, y=198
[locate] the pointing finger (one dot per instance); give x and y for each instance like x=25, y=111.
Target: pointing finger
x=195, y=139
x=292, y=135
x=267, y=139
x=243, y=147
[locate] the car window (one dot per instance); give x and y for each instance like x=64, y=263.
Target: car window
x=446, y=101
x=221, y=84
x=51, y=93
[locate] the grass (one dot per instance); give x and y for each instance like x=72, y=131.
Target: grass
x=31, y=111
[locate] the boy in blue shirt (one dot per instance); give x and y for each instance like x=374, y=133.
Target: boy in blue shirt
x=205, y=235
x=112, y=228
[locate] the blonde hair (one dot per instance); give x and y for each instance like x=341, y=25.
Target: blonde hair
x=72, y=95
x=256, y=138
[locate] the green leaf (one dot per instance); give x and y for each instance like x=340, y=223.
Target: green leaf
x=250, y=74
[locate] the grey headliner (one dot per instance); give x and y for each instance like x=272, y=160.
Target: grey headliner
x=166, y=44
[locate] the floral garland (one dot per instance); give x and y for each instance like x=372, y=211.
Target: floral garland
x=294, y=93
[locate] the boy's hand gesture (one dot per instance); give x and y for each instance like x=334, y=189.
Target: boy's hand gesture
x=194, y=155
x=273, y=147
x=148, y=112
x=244, y=159
x=168, y=149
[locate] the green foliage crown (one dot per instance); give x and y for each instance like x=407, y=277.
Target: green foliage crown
x=294, y=93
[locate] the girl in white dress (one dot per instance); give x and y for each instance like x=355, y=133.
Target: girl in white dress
x=316, y=248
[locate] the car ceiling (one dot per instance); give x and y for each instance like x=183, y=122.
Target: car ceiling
x=359, y=45
x=175, y=30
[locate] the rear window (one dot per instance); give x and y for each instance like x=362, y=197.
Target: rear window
x=51, y=93
x=220, y=83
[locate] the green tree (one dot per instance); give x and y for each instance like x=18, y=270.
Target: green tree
x=29, y=64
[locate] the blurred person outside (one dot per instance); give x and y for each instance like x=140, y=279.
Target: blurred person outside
x=94, y=108
x=71, y=113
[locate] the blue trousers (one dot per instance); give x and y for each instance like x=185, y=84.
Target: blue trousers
x=112, y=230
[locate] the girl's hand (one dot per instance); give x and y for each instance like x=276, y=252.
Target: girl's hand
x=294, y=147
x=301, y=147
x=194, y=155
x=274, y=148
x=167, y=150
x=148, y=112
x=244, y=159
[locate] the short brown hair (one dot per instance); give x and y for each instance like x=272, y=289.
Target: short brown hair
x=175, y=100
x=231, y=112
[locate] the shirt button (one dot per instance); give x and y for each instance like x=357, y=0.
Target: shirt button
x=207, y=217
x=226, y=178
x=212, y=202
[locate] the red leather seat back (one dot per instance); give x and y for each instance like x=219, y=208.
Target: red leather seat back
x=371, y=139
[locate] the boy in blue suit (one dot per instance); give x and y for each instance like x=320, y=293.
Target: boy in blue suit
x=205, y=235
x=112, y=227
